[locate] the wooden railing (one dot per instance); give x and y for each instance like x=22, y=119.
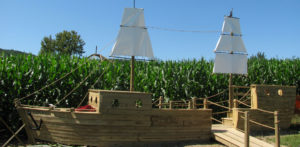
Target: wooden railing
x=247, y=120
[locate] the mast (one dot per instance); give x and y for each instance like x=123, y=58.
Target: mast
x=133, y=39
x=231, y=54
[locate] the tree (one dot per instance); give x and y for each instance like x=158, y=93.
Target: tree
x=65, y=42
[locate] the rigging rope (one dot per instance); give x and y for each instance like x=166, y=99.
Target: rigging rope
x=52, y=82
x=179, y=30
x=76, y=86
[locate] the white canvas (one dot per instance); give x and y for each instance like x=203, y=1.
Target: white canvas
x=133, y=38
x=230, y=63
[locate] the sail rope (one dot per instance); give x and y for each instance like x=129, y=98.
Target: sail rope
x=180, y=30
x=85, y=96
x=78, y=85
x=61, y=78
x=37, y=91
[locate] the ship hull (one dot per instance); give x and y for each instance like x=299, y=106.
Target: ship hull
x=116, y=127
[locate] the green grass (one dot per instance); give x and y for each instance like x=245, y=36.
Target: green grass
x=292, y=140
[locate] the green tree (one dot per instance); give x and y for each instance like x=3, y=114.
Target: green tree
x=66, y=42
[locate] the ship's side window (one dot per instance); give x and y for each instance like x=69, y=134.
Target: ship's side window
x=96, y=100
x=138, y=103
x=91, y=99
x=115, y=103
x=280, y=92
x=267, y=92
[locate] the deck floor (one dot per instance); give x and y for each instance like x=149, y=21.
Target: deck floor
x=232, y=137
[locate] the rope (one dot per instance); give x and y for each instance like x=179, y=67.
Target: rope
x=213, y=95
x=222, y=102
x=218, y=105
x=266, y=111
x=243, y=103
x=178, y=30
x=92, y=86
x=76, y=87
x=246, y=94
x=260, y=124
x=220, y=112
x=155, y=101
x=216, y=120
x=51, y=83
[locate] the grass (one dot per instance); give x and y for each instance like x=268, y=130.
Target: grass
x=291, y=137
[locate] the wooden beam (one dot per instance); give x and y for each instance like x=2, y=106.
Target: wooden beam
x=246, y=129
x=14, y=135
x=277, y=133
x=5, y=124
x=132, y=74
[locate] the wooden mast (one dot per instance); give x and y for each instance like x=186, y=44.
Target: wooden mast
x=132, y=74
x=230, y=94
x=132, y=66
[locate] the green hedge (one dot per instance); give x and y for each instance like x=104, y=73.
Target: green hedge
x=23, y=74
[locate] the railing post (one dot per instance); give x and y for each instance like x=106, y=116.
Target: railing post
x=235, y=103
x=160, y=102
x=194, y=103
x=246, y=129
x=190, y=104
x=205, y=106
x=171, y=105
x=277, y=133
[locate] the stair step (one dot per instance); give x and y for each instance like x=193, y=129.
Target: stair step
x=227, y=122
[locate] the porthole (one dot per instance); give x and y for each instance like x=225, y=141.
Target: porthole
x=96, y=100
x=280, y=92
x=267, y=92
x=115, y=103
x=138, y=103
x=91, y=99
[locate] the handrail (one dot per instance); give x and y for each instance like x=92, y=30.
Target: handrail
x=219, y=112
x=246, y=94
x=218, y=105
x=216, y=120
x=244, y=87
x=212, y=95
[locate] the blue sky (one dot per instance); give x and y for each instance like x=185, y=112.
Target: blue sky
x=269, y=26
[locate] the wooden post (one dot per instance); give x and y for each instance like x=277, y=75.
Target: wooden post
x=171, y=105
x=194, y=103
x=132, y=74
x=190, y=104
x=235, y=103
x=14, y=135
x=246, y=129
x=205, y=104
x=230, y=94
x=10, y=130
x=277, y=133
x=160, y=102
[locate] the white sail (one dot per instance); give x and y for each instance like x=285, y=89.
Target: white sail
x=230, y=63
x=230, y=44
x=133, y=38
x=231, y=54
x=231, y=24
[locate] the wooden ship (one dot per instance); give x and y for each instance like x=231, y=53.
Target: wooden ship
x=126, y=118
x=118, y=118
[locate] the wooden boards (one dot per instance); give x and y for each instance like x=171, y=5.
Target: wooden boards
x=232, y=137
x=118, y=126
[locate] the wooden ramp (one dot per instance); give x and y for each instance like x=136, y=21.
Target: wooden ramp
x=232, y=137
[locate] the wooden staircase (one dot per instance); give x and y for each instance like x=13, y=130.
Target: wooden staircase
x=234, y=138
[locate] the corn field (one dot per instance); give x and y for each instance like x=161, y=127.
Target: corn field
x=23, y=74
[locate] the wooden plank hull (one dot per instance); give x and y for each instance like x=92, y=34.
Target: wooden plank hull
x=118, y=128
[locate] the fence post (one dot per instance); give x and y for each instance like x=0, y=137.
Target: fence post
x=277, y=133
x=171, y=105
x=246, y=129
x=194, y=103
x=235, y=103
x=205, y=104
x=190, y=104
x=160, y=102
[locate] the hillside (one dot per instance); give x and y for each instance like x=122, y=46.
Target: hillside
x=8, y=52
